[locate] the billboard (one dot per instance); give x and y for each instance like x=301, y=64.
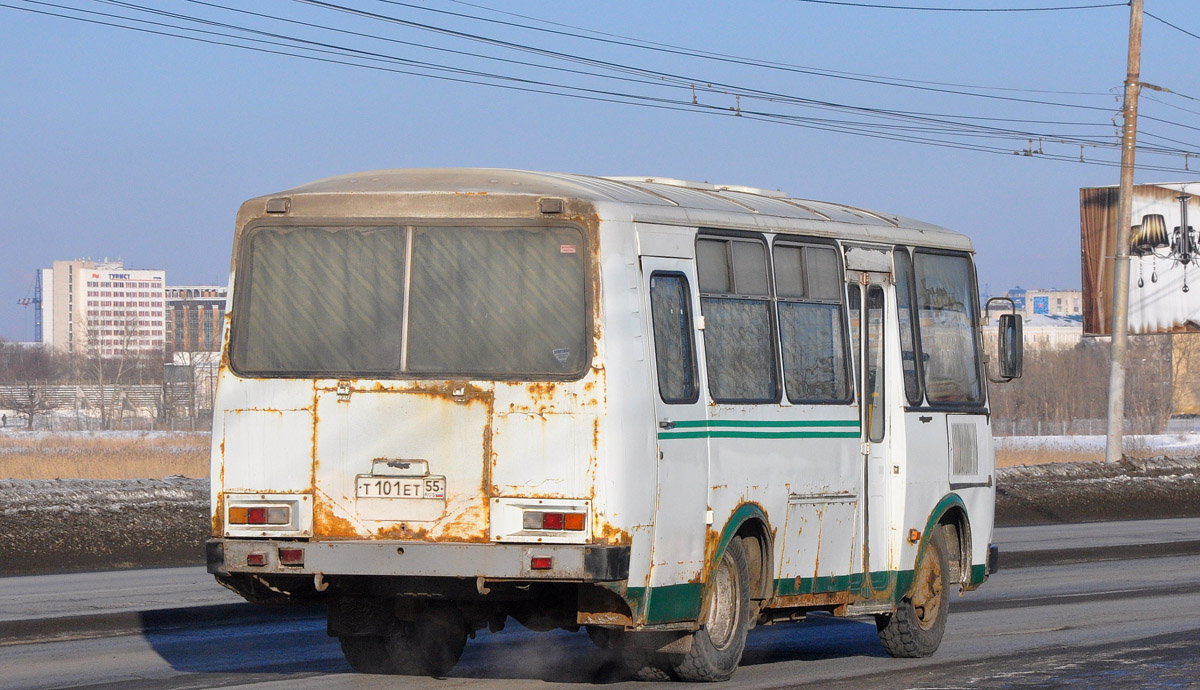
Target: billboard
x=1164, y=265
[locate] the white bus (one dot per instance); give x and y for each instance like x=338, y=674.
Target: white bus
x=659, y=410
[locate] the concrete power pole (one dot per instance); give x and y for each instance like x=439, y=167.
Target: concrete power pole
x=1120, y=319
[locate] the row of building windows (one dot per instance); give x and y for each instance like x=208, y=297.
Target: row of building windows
x=92, y=304
x=124, y=284
x=122, y=293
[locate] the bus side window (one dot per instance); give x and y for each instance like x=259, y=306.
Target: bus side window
x=812, y=329
x=904, y=311
x=873, y=395
x=854, y=315
x=674, y=347
x=738, y=334
x=948, y=323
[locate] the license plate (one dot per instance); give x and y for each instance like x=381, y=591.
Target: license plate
x=401, y=487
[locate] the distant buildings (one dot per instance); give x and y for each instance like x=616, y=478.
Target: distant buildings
x=1053, y=319
x=103, y=308
x=1046, y=302
x=195, y=317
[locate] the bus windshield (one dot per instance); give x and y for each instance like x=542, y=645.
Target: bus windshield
x=411, y=301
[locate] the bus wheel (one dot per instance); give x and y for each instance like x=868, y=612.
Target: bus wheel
x=431, y=645
x=916, y=628
x=643, y=660
x=367, y=654
x=717, y=647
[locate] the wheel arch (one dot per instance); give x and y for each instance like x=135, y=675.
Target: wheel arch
x=950, y=511
x=749, y=522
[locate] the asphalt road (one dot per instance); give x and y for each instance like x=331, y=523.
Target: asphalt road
x=1093, y=620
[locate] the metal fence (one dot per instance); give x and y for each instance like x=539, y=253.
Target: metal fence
x=1092, y=427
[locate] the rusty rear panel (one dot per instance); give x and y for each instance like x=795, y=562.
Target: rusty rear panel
x=487, y=438
x=447, y=425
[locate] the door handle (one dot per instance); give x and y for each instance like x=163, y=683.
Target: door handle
x=666, y=424
x=925, y=419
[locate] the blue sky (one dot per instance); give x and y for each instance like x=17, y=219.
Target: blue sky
x=123, y=144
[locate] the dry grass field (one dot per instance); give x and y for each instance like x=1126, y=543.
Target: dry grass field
x=103, y=455
x=1042, y=456
x=144, y=455
x=1090, y=449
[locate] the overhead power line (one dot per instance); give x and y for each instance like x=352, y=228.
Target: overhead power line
x=1173, y=26
x=579, y=32
x=973, y=133
x=919, y=8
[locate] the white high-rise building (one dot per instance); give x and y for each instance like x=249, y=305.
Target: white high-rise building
x=103, y=308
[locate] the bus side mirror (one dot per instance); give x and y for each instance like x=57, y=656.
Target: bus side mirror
x=1011, y=347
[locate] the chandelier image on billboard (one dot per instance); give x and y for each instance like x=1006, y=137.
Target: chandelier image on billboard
x=1150, y=239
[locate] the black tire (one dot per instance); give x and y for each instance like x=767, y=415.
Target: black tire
x=603, y=638
x=717, y=646
x=368, y=654
x=916, y=628
x=431, y=645
x=643, y=661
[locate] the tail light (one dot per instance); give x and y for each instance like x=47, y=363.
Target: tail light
x=536, y=519
x=260, y=515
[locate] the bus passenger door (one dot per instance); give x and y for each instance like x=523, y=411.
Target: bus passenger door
x=680, y=523
x=875, y=408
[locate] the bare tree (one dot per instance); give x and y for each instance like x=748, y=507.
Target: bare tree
x=112, y=353
x=1061, y=387
x=28, y=401
x=28, y=373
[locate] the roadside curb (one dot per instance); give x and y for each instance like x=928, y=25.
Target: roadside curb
x=151, y=621
x=1028, y=559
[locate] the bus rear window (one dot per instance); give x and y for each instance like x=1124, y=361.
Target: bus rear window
x=388, y=301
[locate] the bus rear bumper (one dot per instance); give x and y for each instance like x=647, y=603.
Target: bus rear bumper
x=563, y=562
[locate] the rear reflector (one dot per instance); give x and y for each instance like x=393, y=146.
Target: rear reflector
x=541, y=563
x=256, y=558
x=294, y=557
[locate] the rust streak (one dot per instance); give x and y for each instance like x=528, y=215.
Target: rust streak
x=806, y=600
x=218, y=516
x=326, y=523
x=489, y=457
x=312, y=477
x=403, y=531
x=614, y=535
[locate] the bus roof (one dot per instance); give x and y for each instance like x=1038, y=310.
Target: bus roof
x=651, y=200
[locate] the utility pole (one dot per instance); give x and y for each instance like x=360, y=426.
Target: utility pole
x=1120, y=317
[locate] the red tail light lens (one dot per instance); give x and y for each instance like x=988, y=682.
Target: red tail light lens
x=552, y=520
x=541, y=563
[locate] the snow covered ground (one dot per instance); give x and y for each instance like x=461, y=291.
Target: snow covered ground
x=1156, y=444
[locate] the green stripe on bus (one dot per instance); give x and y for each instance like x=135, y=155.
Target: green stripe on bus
x=717, y=433
x=710, y=423
x=749, y=428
